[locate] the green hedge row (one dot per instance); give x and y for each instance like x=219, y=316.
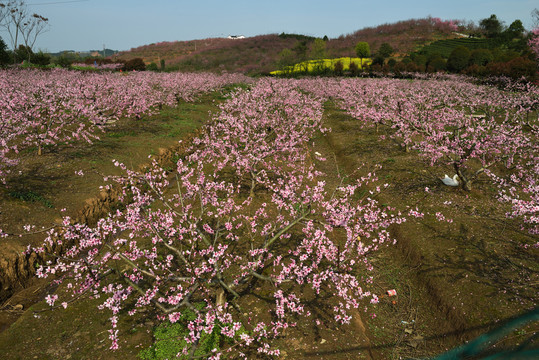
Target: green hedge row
x=444, y=47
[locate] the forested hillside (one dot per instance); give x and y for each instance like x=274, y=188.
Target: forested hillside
x=264, y=53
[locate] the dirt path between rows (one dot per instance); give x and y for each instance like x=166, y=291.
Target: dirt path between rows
x=339, y=140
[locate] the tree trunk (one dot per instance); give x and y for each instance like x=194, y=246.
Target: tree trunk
x=466, y=183
x=253, y=185
x=220, y=298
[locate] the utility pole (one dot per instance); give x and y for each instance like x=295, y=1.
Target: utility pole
x=103, y=51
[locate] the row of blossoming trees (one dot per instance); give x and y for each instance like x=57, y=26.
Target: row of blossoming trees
x=245, y=209
x=246, y=221
x=477, y=130
x=47, y=108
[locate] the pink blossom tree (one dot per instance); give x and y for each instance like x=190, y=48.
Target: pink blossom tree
x=259, y=130
x=199, y=235
x=521, y=189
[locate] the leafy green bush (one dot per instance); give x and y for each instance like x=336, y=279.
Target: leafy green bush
x=385, y=50
x=458, y=59
x=152, y=67
x=22, y=53
x=338, y=68
x=378, y=60
x=436, y=64
x=516, y=69
x=64, y=61
x=480, y=57
x=5, y=57
x=40, y=58
x=136, y=64
x=354, y=69
x=298, y=37
x=363, y=50
x=475, y=70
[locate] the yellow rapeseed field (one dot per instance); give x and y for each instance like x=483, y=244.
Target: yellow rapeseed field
x=322, y=64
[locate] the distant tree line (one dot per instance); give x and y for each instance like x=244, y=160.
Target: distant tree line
x=25, y=55
x=492, y=49
x=505, y=52
x=24, y=27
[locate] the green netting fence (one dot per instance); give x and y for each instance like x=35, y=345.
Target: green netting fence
x=482, y=347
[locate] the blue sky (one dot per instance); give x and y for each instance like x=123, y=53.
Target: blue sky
x=121, y=25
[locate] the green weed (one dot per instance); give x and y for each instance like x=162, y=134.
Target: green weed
x=169, y=339
x=30, y=196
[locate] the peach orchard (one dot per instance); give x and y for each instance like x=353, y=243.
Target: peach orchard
x=247, y=206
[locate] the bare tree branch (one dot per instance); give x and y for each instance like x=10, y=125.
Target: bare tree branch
x=19, y=22
x=16, y=13
x=32, y=28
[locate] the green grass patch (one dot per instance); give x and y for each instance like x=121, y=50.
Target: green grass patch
x=120, y=134
x=45, y=148
x=30, y=196
x=445, y=47
x=169, y=339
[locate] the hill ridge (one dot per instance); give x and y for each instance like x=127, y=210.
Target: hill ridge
x=261, y=54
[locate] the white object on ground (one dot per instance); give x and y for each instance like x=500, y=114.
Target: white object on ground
x=450, y=181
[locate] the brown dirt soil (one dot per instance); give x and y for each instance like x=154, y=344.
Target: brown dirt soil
x=453, y=281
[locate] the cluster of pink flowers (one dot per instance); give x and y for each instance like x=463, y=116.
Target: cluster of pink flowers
x=521, y=189
x=247, y=210
x=451, y=25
